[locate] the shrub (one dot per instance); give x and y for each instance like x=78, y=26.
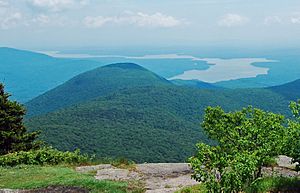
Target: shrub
x=246, y=140
x=274, y=184
x=43, y=156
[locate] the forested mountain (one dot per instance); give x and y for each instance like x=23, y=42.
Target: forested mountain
x=195, y=84
x=92, y=84
x=124, y=110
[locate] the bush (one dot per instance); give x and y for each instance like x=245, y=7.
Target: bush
x=274, y=184
x=247, y=140
x=43, y=156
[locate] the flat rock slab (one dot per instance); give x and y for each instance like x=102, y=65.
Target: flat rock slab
x=158, y=183
x=85, y=169
x=163, y=190
x=166, y=177
x=117, y=174
x=158, y=177
x=164, y=169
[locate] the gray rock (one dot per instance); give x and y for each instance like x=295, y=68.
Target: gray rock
x=117, y=174
x=279, y=171
x=163, y=190
x=85, y=169
x=158, y=177
x=9, y=191
x=285, y=161
x=158, y=183
x=164, y=169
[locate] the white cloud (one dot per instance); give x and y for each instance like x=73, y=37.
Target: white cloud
x=12, y=15
x=10, y=20
x=53, y=20
x=155, y=20
x=138, y=19
x=230, y=20
x=84, y=2
x=3, y=3
x=9, y=16
x=272, y=20
x=96, y=22
x=41, y=19
x=56, y=5
x=295, y=19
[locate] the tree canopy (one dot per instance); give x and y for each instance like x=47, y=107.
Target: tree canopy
x=13, y=134
x=246, y=140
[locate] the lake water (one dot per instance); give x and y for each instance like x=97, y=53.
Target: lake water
x=226, y=69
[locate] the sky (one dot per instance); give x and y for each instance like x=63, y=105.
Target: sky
x=46, y=24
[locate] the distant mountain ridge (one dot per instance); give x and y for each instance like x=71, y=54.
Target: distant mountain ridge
x=28, y=74
x=17, y=55
x=25, y=83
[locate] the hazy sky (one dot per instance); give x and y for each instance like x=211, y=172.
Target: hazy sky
x=93, y=23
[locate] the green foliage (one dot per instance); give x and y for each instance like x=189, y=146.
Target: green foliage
x=289, y=90
x=145, y=124
x=125, y=124
x=247, y=140
x=193, y=189
x=33, y=177
x=43, y=156
x=274, y=184
x=13, y=135
x=262, y=185
x=293, y=147
x=122, y=163
x=93, y=84
x=295, y=107
x=124, y=110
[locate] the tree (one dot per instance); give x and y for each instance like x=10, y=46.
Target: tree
x=13, y=134
x=246, y=140
x=293, y=147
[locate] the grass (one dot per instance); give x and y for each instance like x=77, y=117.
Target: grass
x=124, y=163
x=32, y=177
x=275, y=184
x=193, y=189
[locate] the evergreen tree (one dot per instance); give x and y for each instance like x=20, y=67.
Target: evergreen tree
x=13, y=134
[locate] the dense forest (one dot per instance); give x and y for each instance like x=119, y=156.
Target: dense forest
x=128, y=111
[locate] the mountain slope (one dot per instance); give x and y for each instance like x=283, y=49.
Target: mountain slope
x=290, y=91
x=28, y=74
x=152, y=124
x=95, y=83
x=130, y=112
x=195, y=84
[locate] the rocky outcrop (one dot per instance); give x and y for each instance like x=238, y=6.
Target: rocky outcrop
x=157, y=177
